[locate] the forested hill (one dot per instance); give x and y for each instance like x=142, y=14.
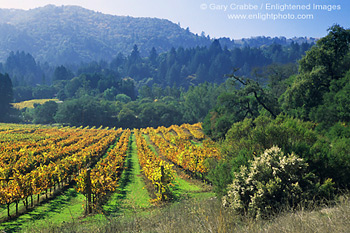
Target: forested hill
x=71, y=34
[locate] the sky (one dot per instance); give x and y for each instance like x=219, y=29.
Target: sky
x=223, y=18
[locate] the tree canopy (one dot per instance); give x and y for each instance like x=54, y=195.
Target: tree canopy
x=6, y=95
x=322, y=80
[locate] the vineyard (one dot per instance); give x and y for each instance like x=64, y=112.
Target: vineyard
x=36, y=161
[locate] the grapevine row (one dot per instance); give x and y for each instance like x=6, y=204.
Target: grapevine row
x=22, y=184
x=181, y=151
x=28, y=158
x=159, y=172
x=195, y=130
x=104, y=177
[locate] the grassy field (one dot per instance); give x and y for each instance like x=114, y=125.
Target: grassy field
x=30, y=103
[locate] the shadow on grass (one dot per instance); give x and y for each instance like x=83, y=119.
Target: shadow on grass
x=115, y=205
x=52, y=205
x=179, y=193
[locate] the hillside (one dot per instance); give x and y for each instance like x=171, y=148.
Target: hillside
x=69, y=34
x=72, y=34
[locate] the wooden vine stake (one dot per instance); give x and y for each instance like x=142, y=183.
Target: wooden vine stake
x=88, y=191
x=162, y=182
x=8, y=204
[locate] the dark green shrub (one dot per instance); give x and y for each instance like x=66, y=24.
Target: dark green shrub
x=220, y=176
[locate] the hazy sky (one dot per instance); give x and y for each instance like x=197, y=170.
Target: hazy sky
x=218, y=18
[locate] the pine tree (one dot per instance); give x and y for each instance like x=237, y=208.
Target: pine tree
x=6, y=94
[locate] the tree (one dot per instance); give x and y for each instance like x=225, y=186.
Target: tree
x=319, y=72
x=173, y=74
x=202, y=74
x=110, y=93
x=6, y=95
x=22, y=93
x=145, y=92
x=24, y=67
x=77, y=87
x=44, y=92
x=261, y=96
x=215, y=48
x=336, y=104
x=127, y=118
x=61, y=73
x=44, y=114
x=199, y=100
x=156, y=114
x=128, y=87
x=275, y=77
x=153, y=55
x=85, y=111
x=248, y=100
x=134, y=58
x=123, y=98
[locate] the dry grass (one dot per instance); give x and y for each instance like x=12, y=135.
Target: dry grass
x=326, y=219
x=30, y=103
x=209, y=216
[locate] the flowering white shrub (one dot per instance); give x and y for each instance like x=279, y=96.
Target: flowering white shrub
x=272, y=181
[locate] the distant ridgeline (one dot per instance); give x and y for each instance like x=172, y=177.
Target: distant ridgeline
x=72, y=34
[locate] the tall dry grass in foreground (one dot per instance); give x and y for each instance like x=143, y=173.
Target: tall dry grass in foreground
x=210, y=216
x=327, y=219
